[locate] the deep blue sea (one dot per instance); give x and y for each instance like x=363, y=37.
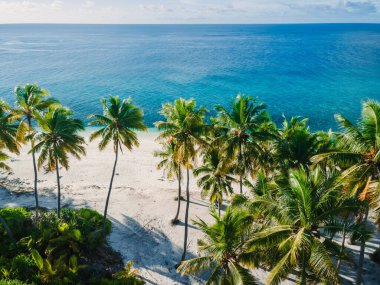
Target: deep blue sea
x=313, y=71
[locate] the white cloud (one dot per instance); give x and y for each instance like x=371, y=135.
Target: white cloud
x=88, y=4
x=189, y=11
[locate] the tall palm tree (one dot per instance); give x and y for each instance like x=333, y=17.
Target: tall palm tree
x=9, y=138
x=214, y=178
x=31, y=101
x=57, y=140
x=245, y=125
x=358, y=154
x=223, y=250
x=298, y=215
x=172, y=168
x=118, y=123
x=184, y=124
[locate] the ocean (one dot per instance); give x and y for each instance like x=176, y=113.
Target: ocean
x=312, y=71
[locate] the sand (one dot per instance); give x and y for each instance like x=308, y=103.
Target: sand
x=141, y=207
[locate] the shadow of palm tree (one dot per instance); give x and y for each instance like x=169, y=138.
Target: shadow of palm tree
x=149, y=248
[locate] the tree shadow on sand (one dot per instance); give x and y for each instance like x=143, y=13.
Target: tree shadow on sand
x=149, y=248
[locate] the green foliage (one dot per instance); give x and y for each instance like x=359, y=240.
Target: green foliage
x=58, y=251
x=90, y=223
x=243, y=129
x=23, y=267
x=184, y=126
x=9, y=139
x=223, y=249
x=18, y=221
x=296, y=144
x=119, y=121
x=12, y=282
x=58, y=138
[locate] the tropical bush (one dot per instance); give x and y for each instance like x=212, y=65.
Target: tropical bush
x=68, y=250
x=12, y=282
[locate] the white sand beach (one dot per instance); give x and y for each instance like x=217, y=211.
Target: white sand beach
x=141, y=207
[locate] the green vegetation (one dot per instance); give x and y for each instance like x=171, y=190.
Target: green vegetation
x=304, y=189
x=301, y=189
x=67, y=250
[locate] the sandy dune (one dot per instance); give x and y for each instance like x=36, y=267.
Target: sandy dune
x=141, y=207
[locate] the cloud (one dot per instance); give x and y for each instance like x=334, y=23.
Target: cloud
x=360, y=7
x=189, y=11
x=155, y=8
x=88, y=4
x=28, y=6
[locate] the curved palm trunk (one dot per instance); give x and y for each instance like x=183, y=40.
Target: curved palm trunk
x=35, y=173
x=341, y=249
x=219, y=206
x=359, y=275
x=59, y=189
x=175, y=220
x=110, y=188
x=241, y=174
x=186, y=215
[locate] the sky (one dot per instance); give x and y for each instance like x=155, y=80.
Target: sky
x=189, y=11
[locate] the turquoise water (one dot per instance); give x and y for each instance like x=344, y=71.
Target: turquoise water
x=307, y=70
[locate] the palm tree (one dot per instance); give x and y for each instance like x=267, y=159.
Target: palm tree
x=223, y=250
x=296, y=145
x=244, y=126
x=298, y=215
x=172, y=168
x=214, y=178
x=57, y=139
x=9, y=138
x=118, y=123
x=358, y=154
x=184, y=124
x=31, y=101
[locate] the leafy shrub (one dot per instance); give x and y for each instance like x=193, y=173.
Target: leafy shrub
x=70, y=250
x=11, y=282
x=23, y=267
x=18, y=221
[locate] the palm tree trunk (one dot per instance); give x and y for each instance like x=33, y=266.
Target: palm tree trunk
x=303, y=273
x=35, y=172
x=241, y=174
x=359, y=275
x=186, y=214
x=7, y=229
x=342, y=248
x=219, y=206
x=59, y=189
x=175, y=220
x=110, y=188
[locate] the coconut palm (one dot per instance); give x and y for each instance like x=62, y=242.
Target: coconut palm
x=9, y=139
x=214, y=178
x=172, y=169
x=184, y=124
x=298, y=216
x=358, y=154
x=245, y=125
x=222, y=250
x=118, y=123
x=296, y=145
x=31, y=101
x=57, y=140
